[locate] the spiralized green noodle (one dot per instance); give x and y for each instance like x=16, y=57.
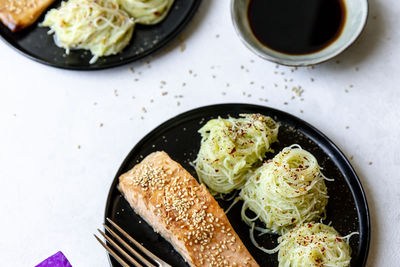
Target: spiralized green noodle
x=147, y=11
x=286, y=191
x=231, y=147
x=314, y=244
x=96, y=25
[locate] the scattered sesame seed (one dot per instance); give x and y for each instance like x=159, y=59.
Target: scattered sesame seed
x=297, y=90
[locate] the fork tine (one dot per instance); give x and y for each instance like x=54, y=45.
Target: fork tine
x=112, y=253
x=143, y=249
x=134, y=252
x=126, y=255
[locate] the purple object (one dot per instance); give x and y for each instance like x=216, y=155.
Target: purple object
x=57, y=260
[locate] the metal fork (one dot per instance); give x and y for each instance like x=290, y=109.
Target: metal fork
x=157, y=260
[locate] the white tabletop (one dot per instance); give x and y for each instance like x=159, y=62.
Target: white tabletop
x=65, y=133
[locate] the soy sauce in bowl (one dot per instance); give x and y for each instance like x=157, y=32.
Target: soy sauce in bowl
x=296, y=27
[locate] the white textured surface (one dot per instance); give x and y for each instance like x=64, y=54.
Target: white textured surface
x=52, y=194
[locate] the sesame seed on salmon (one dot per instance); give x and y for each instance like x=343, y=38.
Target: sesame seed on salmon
x=171, y=200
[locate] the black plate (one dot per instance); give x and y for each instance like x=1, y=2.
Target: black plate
x=35, y=43
x=347, y=207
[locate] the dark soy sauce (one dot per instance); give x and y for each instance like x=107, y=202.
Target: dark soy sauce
x=296, y=27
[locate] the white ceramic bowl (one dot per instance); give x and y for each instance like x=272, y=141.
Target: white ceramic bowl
x=356, y=18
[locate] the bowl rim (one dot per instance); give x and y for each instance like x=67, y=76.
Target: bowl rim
x=295, y=62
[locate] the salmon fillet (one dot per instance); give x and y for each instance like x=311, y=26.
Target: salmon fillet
x=19, y=14
x=168, y=198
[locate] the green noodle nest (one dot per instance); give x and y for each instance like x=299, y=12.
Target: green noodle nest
x=147, y=11
x=314, y=244
x=100, y=26
x=230, y=149
x=286, y=191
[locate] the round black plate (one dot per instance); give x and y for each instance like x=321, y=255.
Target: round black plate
x=35, y=43
x=347, y=208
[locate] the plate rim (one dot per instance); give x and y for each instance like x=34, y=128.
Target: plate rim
x=353, y=181
x=178, y=30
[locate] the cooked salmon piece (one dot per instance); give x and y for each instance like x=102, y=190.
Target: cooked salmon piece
x=19, y=14
x=169, y=199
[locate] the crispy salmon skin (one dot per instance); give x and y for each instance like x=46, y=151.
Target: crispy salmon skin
x=168, y=198
x=19, y=14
